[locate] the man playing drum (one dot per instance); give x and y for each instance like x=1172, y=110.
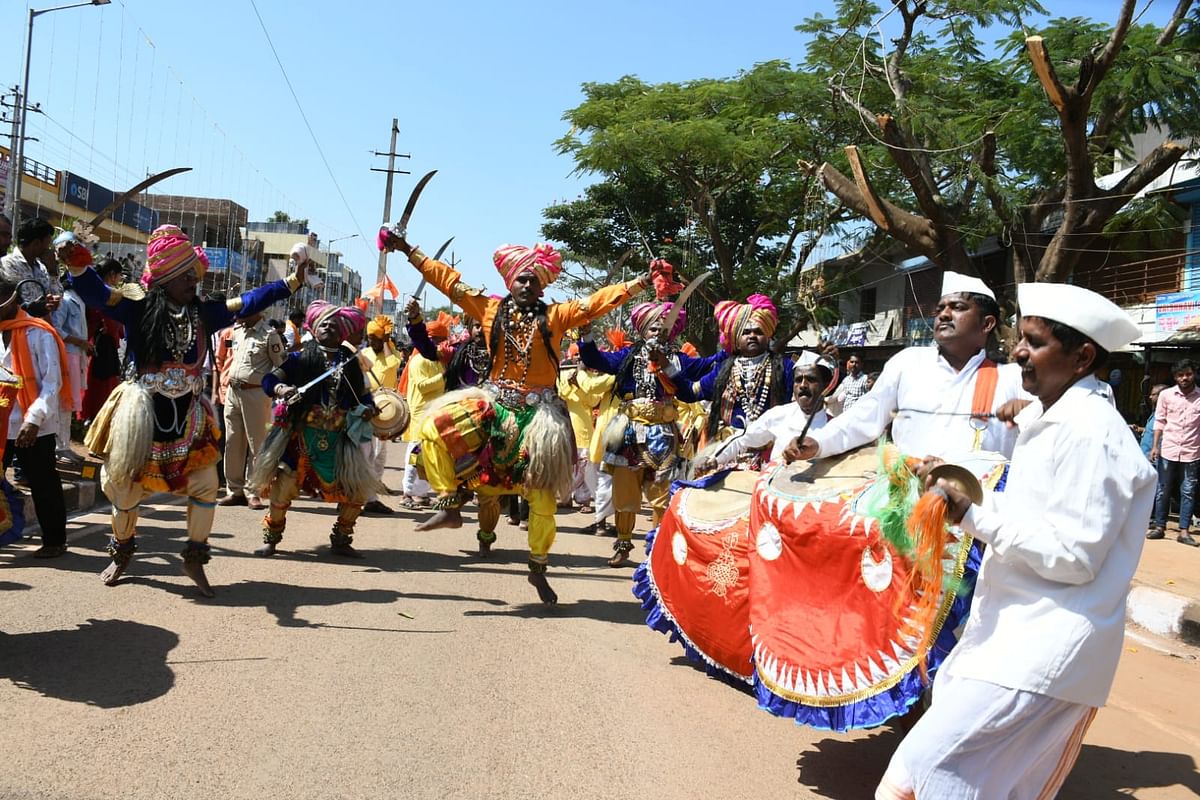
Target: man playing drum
x=514, y=437
x=1013, y=700
x=776, y=428
x=944, y=397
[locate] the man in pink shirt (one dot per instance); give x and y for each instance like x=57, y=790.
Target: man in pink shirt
x=1176, y=451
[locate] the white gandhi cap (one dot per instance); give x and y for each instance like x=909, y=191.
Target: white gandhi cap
x=956, y=283
x=1087, y=312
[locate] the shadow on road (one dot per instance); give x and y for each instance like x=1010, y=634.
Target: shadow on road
x=11, y=586
x=106, y=663
x=281, y=600
x=601, y=610
x=841, y=768
x=1105, y=773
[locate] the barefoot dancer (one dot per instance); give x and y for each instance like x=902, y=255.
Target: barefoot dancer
x=514, y=437
x=158, y=429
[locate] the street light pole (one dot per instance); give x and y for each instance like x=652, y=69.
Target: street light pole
x=328, y=253
x=17, y=151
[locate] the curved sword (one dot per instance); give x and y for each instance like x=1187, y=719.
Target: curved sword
x=436, y=257
x=673, y=315
x=401, y=227
x=123, y=196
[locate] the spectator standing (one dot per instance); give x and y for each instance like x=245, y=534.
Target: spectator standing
x=294, y=332
x=30, y=349
x=222, y=360
x=1147, y=440
x=853, y=386
x=70, y=320
x=105, y=335
x=1176, y=451
x=256, y=350
x=34, y=259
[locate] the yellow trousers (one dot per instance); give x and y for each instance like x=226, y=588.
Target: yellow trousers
x=628, y=486
x=439, y=471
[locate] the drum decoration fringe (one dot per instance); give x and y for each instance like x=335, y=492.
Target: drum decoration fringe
x=12, y=513
x=876, y=709
x=891, y=501
x=927, y=579
x=658, y=618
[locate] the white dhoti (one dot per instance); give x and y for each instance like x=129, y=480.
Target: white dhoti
x=583, y=487
x=980, y=741
x=414, y=485
x=604, y=493
x=376, y=453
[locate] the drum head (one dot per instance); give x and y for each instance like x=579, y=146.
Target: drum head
x=393, y=415
x=726, y=500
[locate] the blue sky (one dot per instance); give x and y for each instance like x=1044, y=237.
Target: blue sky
x=479, y=89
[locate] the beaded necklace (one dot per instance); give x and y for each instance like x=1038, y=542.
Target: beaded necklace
x=181, y=334
x=752, y=385
x=478, y=359
x=519, y=328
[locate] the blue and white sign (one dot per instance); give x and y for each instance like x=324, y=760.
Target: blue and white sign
x=1174, y=310
x=78, y=191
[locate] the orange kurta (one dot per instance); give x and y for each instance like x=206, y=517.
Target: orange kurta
x=560, y=317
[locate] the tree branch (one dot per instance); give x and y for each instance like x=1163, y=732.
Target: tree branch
x=918, y=175
x=909, y=228
x=1112, y=48
x=1040, y=56
x=1168, y=33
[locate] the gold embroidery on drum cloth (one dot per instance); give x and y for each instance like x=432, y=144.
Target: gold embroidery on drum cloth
x=964, y=549
x=723, y=572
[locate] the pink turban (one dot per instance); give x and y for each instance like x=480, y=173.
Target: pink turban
x=732, y=318
x=169, y=254
x=514, y=260
x=348, y=320
x=646, y=314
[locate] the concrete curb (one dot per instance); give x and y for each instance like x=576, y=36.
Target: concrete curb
x=1164, y=613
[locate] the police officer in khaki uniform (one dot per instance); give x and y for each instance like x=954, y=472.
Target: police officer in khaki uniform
x=257, y=349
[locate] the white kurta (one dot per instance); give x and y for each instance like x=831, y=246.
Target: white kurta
x=776, y=427
x=1064, y=539
x=45, y=410
x=932, y=405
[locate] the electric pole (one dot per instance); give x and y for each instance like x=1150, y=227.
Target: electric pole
x=16, y=151
x=391, y=171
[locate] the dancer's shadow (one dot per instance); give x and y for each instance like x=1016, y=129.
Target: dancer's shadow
x=11, y=586
x=625, y=613
x=841, y=768
x=280, y=600
x=1106, y=773
x=106, y=663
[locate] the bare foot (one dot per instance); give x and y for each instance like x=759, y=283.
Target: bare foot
x=268, y=549
x=195, y=571
x=446, y=518
x=620, y=558
x=112, y=573
x=538, y=581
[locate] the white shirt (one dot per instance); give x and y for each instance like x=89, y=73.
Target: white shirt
x=1064, y=538
x=776, y=427
x=44, y=351
x=914, y=382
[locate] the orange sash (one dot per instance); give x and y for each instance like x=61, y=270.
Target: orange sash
x=22, y=359
x=987, y=377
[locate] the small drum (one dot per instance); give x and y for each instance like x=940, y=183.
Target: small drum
x=829, y=595
x=393, y=415
x=693, y=584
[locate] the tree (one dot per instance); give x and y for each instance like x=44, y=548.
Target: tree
x=284, y=217
x=719, y=172
x=970, y=136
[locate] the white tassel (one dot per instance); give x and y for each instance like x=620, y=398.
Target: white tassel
x=550, y=441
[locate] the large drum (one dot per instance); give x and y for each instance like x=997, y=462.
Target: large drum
x=834, y=647
x=694, y=582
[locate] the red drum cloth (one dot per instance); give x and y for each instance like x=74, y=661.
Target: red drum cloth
x=698, y=569
x=830, y=605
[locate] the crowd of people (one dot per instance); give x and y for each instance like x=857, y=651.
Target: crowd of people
x=218, y=399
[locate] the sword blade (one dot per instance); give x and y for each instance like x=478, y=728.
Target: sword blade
x=436, y=257
x=402, y=225
x=673, y=314
x=123, y=196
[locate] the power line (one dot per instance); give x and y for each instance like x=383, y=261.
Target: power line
x=303, y=116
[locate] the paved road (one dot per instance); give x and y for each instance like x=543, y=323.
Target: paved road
x=422, y=672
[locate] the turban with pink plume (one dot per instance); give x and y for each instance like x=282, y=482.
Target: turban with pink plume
x=732, y=317
x=169, y=254
x=514, y=260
